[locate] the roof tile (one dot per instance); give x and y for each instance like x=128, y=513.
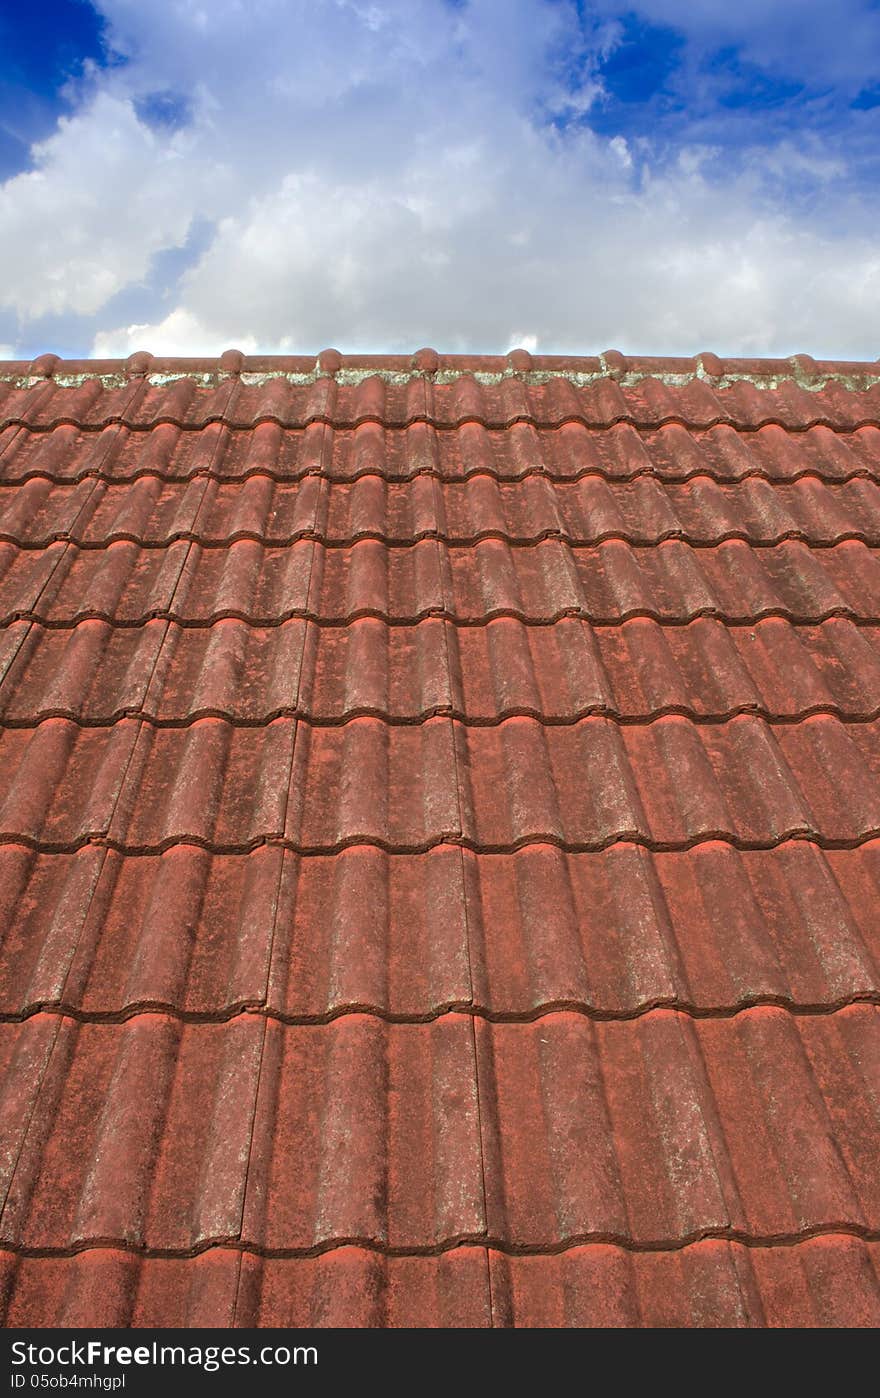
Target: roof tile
x=610, y=933
x=822, y=1282
x=439, y=845
x=96, y=672
x=407, y=787
x=654, y=1131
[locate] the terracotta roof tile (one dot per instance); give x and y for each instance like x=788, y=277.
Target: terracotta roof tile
x=307, y=937
x=440, y=842
x=263, y=584
x=396, y=400
x=562, y=672
x=295, y=1138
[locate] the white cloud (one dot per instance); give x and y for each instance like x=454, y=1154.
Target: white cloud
x=104, y=196
x=180, y=332
x=519, y=341
x=384, y=175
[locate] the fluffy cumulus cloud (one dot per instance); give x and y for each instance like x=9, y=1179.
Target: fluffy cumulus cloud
x=280, y=175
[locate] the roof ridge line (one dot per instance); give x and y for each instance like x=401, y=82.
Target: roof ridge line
x=518, y=364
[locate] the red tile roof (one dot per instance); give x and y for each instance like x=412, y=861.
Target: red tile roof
x=440, y=841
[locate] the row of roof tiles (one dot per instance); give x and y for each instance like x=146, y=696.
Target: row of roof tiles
x=154, y=511
x=666, y=784
x=655, y=1131
x=63, y=584
x=600, y=403
x=96, y=673
x=825, y=1281
x=571, y=451
x=101, y=934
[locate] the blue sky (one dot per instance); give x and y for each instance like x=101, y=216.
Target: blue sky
x=664, y=177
